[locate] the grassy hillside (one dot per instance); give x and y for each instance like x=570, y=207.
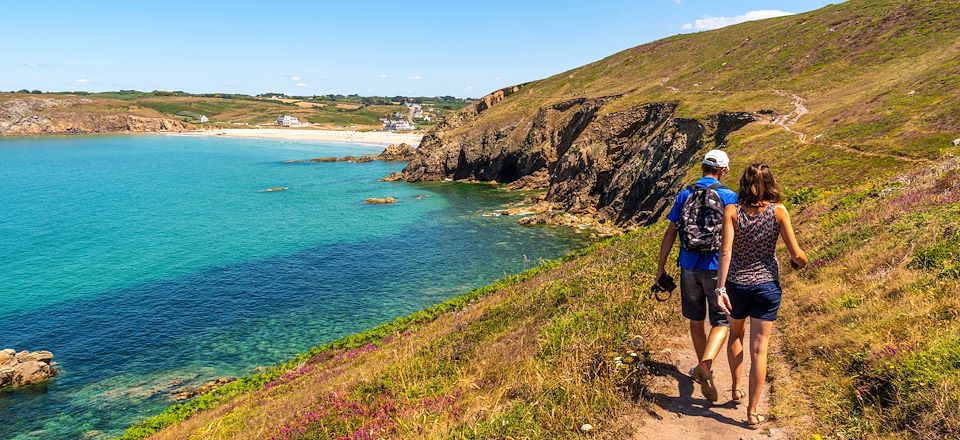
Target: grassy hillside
x=869, y=332
x=870, y=335
x=879, y=79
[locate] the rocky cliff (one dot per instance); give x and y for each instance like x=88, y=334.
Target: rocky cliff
x=74, y=115
x=593, y=156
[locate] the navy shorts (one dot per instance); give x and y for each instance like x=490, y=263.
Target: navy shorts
x=760, y=301
x=697, y=297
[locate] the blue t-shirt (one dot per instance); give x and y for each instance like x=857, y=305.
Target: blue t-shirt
x=699, y=260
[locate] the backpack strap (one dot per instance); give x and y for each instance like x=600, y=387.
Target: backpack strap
x=715, y=186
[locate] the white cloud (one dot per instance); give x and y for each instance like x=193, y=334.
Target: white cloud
x=82, y=81
x=498, y=78
x=676, y=1
x=383, y=75
x=416, y=77
x=302, y=85
x=295, y=78
x=469, y=87
x=710, y=22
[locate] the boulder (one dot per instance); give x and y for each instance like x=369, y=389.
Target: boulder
x=402, y=152
x=381, y=200
x=210, y=385
x=25, y=368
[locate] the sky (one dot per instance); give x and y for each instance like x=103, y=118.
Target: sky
x=384, y=48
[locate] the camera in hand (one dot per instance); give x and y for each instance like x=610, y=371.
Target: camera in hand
x=664, y=284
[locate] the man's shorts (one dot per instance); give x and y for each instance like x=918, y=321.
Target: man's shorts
x=760, y=301
x=697, y=296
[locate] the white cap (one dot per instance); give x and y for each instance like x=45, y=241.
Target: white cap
x=716, y=158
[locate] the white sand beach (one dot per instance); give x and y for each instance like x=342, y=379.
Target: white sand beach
x=309, y=134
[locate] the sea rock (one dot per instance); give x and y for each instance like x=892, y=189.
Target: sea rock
x=354, y=159
x=402, y=152
x=25, y=368
x=210, y=385
x=381, y=200
x=274, y=189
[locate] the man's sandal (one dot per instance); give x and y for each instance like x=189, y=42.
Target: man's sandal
x=707, y=386
x=755, y=421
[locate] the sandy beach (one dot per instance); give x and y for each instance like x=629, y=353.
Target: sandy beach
x=308, y=134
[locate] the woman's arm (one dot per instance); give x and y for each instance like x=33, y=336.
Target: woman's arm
x=726, y=252
x=797, y=256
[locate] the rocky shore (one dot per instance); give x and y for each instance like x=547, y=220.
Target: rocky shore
x=31, y=116
x=25, y=367
x=601, y=161
x=393, y=152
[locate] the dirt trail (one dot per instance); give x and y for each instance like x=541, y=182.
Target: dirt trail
x=788, y=120
x=800, y=109
x=681, y=412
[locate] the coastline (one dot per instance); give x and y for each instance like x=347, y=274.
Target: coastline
x=301, y=134
x=179, y=412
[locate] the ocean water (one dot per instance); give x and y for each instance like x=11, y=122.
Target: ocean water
x=147, y=263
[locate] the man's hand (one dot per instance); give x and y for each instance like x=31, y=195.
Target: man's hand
x=660, y=273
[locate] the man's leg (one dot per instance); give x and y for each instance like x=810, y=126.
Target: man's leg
x=718, y=320
x=693, y=307
x=699, y=337
x=718, y=336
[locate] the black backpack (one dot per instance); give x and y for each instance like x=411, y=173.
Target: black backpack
x=701, y=219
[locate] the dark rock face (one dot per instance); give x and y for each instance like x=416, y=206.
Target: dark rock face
x=621, y=165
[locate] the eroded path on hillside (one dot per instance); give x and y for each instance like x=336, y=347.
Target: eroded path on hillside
x=800, y=109
x=679, y=410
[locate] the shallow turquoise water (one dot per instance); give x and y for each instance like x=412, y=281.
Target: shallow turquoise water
x=149, y=262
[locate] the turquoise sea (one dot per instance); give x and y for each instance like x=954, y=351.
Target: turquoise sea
x=149, y=263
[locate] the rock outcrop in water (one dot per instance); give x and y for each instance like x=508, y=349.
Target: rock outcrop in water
x=402, y=152
x=25, y=368
x=615, y=163
x=74, y=115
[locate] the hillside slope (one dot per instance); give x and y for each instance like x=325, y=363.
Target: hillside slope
x=869, y=342
x=850, y=89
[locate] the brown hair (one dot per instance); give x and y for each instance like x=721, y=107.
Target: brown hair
x=709, y=169
x=757, y=186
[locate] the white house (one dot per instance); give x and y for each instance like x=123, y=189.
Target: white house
x=397, y=125
x=287, y=121
x=203, y=118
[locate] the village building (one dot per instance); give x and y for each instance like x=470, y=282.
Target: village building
x=286, y=121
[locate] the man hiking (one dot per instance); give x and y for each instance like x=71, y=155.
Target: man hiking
x=697, y=218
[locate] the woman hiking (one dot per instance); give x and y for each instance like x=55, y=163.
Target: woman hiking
x=748, y=277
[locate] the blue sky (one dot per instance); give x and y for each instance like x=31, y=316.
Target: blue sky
x=369, y=47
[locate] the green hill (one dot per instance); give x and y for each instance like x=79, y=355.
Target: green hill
x=864, y=97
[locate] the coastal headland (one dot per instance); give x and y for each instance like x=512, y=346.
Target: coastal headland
x=854, y=105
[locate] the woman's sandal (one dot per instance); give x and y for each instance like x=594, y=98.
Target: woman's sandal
x=737, y=395
x=759, y=420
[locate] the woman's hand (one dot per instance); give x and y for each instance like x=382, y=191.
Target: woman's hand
x=723, y=300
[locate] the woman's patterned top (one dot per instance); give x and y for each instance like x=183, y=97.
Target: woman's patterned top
x=754, y=259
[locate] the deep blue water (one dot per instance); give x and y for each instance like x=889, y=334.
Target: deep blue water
x=145, y=263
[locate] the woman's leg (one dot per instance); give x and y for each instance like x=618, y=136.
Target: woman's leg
x=759, y=340
x=735, y=351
